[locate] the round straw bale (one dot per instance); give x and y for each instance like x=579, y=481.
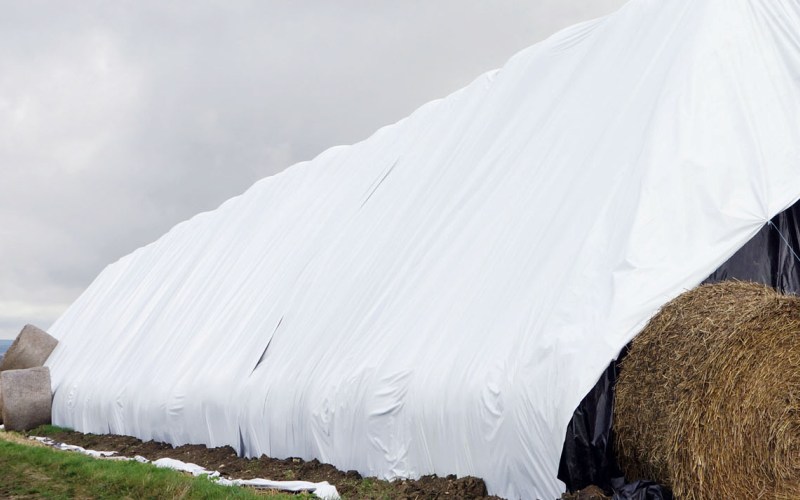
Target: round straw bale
x=708, y=398
x=30, y=349
x=27, y=398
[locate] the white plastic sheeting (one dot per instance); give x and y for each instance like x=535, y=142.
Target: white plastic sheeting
x=439, y=297
x=71, y=447
x=321, y=490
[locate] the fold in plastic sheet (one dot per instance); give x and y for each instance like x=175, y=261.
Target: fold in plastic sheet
x=440, y=297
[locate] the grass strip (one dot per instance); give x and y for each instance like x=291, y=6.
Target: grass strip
x=39, y=472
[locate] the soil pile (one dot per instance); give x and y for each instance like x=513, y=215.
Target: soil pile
x=589, y=493
x=349, y=484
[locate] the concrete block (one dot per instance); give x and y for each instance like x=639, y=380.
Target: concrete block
x=30, y=349
x=27, y=398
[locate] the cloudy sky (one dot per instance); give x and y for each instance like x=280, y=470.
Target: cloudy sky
x=120, y=119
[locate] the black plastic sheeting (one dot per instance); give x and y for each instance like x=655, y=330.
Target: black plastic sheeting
x=588, y=457
x=639, y=490
x=588, y=454
x=771, y=257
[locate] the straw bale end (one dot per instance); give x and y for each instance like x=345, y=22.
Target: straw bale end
x=27, y=398
x=30, y=349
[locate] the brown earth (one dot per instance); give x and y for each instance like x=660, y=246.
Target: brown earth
x=349, y=484
x=590, y=493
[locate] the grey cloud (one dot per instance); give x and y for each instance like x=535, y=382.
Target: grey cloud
x=120, y=119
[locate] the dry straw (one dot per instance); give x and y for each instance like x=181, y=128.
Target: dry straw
x=708, y=399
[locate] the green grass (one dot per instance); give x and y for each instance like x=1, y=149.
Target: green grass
x=358, y=488
x=48, y=430
x=39, y=472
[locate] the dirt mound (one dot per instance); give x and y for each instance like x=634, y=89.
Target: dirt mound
x=589, y=493
x=349, y=484
x=708, y=399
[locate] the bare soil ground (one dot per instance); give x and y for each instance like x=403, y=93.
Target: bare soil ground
x=349, y=484
x=590, y=493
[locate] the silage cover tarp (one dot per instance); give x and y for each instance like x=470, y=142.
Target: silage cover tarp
x=439, y=297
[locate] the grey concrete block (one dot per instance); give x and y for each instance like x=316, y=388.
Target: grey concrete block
x=27, y=398
x=30, y=349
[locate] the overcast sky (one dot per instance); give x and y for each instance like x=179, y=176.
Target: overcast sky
x=120, y=119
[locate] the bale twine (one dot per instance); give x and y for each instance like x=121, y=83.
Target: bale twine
x=708, y=399
x=30, y=349
x=27, y=398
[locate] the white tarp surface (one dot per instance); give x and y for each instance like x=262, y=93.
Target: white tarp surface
x=439, y=297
